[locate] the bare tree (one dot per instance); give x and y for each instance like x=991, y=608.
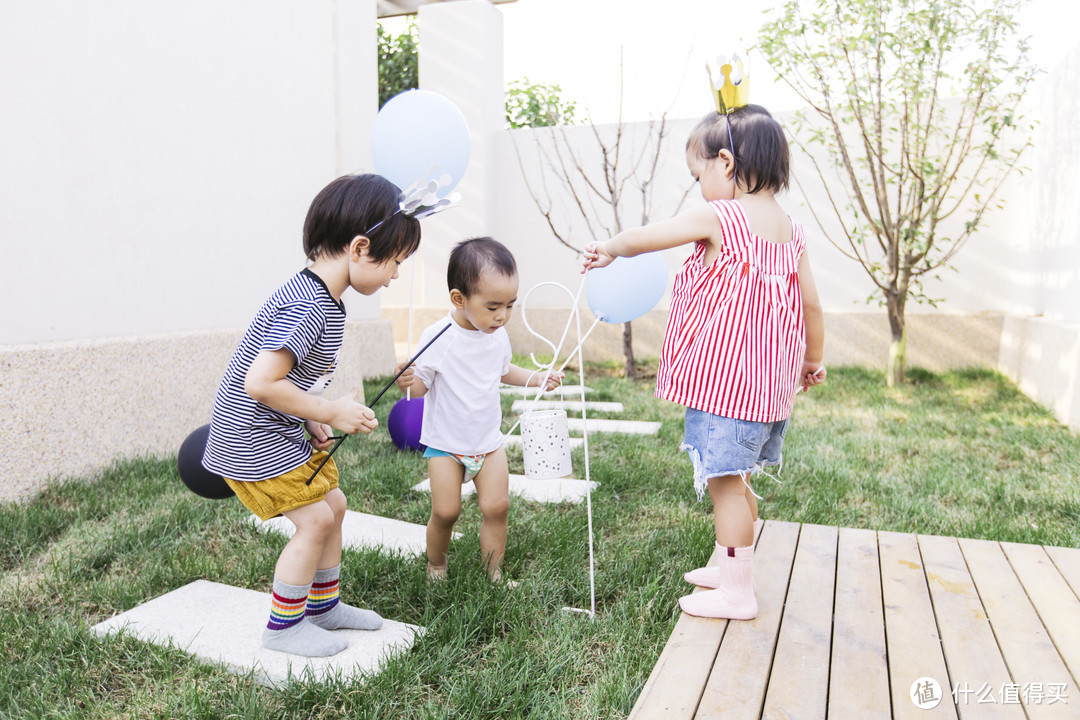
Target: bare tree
x=603, y=185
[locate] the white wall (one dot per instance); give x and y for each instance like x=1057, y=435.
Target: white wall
x=158, y=158
x=1040, y=349
x=1045, y=253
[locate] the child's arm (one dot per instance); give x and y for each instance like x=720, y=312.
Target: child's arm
x=410, y=382
x=266, y=382
x=813, y=372
x=699, y=223
x=526, y=378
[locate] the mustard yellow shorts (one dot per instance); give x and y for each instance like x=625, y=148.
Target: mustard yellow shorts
x=272, y=497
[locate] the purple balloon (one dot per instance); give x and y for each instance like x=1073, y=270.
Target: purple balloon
x=404, y=423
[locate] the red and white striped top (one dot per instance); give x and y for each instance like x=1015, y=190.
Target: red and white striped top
x=735, y=338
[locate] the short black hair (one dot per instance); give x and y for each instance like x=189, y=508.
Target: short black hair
x=761, y=148
x=470, y=258
x=353, y=205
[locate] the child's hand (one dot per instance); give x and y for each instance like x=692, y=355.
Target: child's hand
x=551, y=380
x=322, y=435
x=596, y=256
x=350, y=416
x=404, y=381
x=813, y=373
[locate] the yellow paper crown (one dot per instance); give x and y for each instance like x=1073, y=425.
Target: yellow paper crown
x=734, y=91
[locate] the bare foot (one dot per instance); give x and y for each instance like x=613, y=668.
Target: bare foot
x=497, y=578
x=437, y=573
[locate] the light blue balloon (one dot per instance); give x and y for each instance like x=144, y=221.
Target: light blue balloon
x=627, y=288
x=415, y=131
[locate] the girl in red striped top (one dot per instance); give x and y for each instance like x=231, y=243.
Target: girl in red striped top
x=745, y=332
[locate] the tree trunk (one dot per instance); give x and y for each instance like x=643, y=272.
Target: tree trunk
x=894, y=374
x=628, y=351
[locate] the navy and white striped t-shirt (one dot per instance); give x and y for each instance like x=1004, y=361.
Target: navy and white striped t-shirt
x=251, y=441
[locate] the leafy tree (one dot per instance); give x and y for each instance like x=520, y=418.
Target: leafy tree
x=537, y=105
x=399, y=67
x=918, y=103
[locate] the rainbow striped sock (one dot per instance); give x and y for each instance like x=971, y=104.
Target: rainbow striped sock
x=323, y=595
x=325, y=610
x=287, y=605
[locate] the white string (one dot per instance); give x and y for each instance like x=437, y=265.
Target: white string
x=575, y=314
x=408, y=339
x=585, y=445
x=574, y=310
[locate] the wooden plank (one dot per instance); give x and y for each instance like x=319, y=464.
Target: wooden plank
x=1027, y=648
x=676, y=681
x=1067, y=561
x=1053, y=599
x=859, y=675
x=971, y=651
x=912, y=641
x=740, y=673
x=803, y=646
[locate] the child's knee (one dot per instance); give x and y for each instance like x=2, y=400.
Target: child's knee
x=445, y=515
x=495, y=509
x=338, y=504
x=727, y=485
x=320, y=521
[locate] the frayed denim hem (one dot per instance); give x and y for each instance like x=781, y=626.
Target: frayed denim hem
x=701, y=481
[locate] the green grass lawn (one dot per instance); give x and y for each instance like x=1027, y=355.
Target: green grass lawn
x=961, y=453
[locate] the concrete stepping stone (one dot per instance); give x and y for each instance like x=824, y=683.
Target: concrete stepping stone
x=544, y=491
x=630, y=427
x=531, y=392
x=223, y=625
x=361, y=531
x=523, y=405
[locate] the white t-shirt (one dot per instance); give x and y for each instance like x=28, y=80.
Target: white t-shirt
x=462, y=371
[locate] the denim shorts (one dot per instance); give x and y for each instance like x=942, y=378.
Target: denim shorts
x=726, y=446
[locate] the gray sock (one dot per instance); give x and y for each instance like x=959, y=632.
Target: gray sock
x=289, y=631
x=347, y=617
x=338, y=616
x=305, y=639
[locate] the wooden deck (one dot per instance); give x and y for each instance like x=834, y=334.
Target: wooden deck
x=849, y=620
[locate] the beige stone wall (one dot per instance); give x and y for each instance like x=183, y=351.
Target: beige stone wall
x=70, y=408
x=937, y=342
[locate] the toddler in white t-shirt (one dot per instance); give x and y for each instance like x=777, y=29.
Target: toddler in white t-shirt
x=460, y=375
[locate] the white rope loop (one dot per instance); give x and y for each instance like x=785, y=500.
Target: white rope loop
x=574, y=318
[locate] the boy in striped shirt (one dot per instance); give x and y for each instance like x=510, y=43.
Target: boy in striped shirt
x=354, y=237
